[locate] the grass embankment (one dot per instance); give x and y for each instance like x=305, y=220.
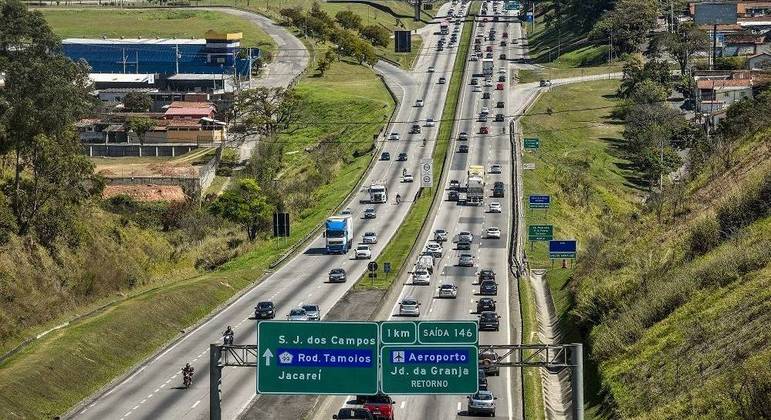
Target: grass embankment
x=670, y=334
x=53, y=374
x=400, y=246
x=533, y=391
x=182, y=24
x=563, y=53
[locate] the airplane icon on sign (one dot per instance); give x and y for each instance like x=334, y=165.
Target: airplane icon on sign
x=397, y=357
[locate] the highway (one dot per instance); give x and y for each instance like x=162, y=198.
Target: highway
x=154, y=390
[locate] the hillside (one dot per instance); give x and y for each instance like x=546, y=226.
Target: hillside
x=672, y=299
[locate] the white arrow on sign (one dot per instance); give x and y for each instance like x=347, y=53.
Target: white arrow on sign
x=267, y=355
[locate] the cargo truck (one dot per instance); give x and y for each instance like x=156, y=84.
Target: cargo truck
x=475, y=186
x=378, y=194
x=339, y=234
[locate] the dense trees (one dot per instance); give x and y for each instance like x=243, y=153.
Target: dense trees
x=377, y=35
x=245, y=205
x=628, y=24
x=44, y=94
x=137, y=102
x=684, y=42
x=348, y=19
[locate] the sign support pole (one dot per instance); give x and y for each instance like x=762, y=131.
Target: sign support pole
x=578, y=380
x=215, y=382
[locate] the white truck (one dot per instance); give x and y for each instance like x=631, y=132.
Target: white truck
x=378, y=194
x=474, y=193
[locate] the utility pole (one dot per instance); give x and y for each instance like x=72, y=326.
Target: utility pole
x=176, y=59
x=714, y=47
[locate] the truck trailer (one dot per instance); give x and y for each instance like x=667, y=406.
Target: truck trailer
x=474, y=193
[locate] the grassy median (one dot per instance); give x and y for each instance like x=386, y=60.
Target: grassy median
x=397, y=251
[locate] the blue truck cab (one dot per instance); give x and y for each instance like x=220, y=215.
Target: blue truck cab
x=339, y=234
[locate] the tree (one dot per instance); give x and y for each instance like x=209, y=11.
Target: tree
x=140, y=126
x=348, y=20
x=137, y=102
x=648, y=92
x=686, y=41
x=45, y=94
x=265, y=111
x=628, y=24
x=649, y=132
x=635, y=72
x=377, y=35
x=245, y=205
x=326, y=61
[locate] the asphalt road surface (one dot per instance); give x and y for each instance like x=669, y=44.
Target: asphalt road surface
x=154, y=390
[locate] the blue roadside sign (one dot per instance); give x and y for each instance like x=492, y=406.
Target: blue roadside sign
x=539, y=201
x=562, y=249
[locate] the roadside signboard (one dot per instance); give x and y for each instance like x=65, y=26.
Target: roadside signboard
x=398, y=332
x=532, y=143
x=562, y=249
x=402, y=41
x=372, y=266
x=448, y=332
x=426, y=173
x=539, y=201
x=528, y=166
x=540, y=232
x=386, y=267
x=431, y=369
x=338, y=358
x=715, y=13
x=281, y=225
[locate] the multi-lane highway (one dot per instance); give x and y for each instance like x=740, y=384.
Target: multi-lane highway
x=154, y=390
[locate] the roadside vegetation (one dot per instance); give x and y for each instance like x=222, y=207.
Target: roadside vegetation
x=160, y=264
x=671, y=284
x=182, y=24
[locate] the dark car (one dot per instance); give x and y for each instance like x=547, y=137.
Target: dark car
x=454, y=184
x=463, y=245
x=462, y=148
x=466, y=260
x=500, y=104
x=484, y=130
x=337, y=275
x=489, y=55
x=385, y=156
x=488, y=360
x=486, y=95
x=503, y=43
x=499, y=118
x=474, y=82
x=452, y=196
x=482, y=378
x=463, y=136
x=415, y=129
x=353, y=413
x=369, y=213
x=489, y=321
x=498, y=190
x=502, y=57
x=486, y=274
x=402, y=157
x=485, y=304
x=265, y=310
x=501, y=78
x=488, y=288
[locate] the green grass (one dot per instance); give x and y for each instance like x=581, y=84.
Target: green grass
x=405, y=60
x=95, y=23
x=552, y=72
x=397, y=251
x=90, y=353
x=533, y=390
x=216, y=185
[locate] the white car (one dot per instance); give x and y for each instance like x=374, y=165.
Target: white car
x=477, y=89
x=474, y=58
x=419, y=102
x=485, y=110
x=369, y=238
x=408, y=178
x=488, y=83
x=346, y=212
x=502, y=71
x=363, y=252
x=430, y=69
x=440, y=235
x=393, y=136
x=435, y=248
x=493, y=232
x=495, y=207
x=421, y=276
x=409, y=307
x=495, y=168
x=448, y=290
x=430, y=122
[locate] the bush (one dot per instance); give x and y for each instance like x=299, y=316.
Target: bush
x=744, y=208
x=702, y=237
x=377, y=35
x=348, y=20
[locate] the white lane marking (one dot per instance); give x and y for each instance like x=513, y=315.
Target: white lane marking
x=143, y=401
x=156, y=390
x=135, y=407
x=404, y=402
x=196, y=403
x=167, y=381
x=459, y=405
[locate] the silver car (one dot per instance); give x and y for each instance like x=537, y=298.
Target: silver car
x=434, y=248
x=440, y=235
x=483, y=402
x=297, y=314
x=448, y=290
x=313, y=311
x=369, y=238
x=409, y=307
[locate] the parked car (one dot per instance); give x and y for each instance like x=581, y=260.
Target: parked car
x=409, y=307
x=448, y=290
x=363, y=252
x=265, y=310
x=297, y=314
x=313, y=311
x=489, y=321
x=337, y=275
x=485, y=304
x=369, y=238
x=483, y=402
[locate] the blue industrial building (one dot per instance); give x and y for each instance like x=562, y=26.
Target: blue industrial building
x=219, y=53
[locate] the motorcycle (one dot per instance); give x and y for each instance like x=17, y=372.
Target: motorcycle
x=227, y=339
x=187, y=379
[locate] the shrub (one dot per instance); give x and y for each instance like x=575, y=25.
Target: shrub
x=377, y=35
x=702, y=237
x=744, y=208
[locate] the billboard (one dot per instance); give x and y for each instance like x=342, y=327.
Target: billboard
x=403, y=41
x=715, y=14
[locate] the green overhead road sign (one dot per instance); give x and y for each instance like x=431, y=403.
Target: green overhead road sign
x=398, y=332
x=317, y=357
x=448, y=332
x=540, y=232
x=532, y=143
x=434, y=369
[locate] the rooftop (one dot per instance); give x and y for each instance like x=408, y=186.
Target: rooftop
x=122, y=78
x=723, y=83
x=133, y=41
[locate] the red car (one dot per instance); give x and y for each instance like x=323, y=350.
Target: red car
x=505, y=34
x=499, y=86
x=380, y=405
x=484, y=130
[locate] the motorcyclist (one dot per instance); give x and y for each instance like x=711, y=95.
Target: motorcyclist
x=228, y=335
x=404, y=171
x=398, y=198
x=187, y=374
